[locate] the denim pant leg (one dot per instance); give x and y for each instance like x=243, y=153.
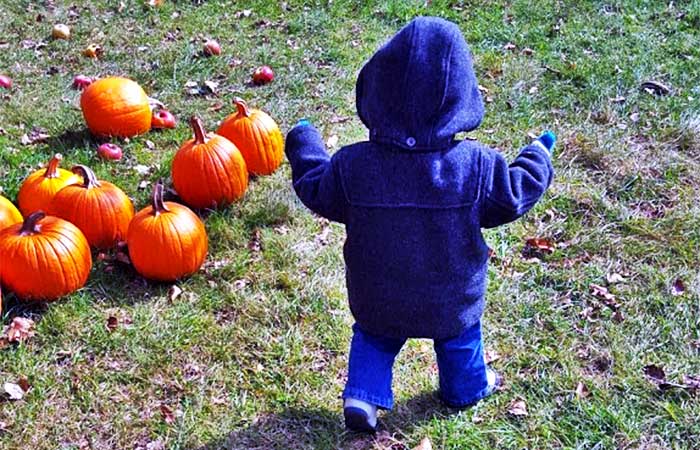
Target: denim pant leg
x=462, y=368
x=369, y=372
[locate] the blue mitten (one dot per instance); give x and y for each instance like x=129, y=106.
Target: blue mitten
x=548, y=139
x=303, y=123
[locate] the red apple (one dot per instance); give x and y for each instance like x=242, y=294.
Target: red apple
x=110, y=151
x=212, y=48
x=162, y=119
x=263, y=75
x=5, y=81
x=80, y=82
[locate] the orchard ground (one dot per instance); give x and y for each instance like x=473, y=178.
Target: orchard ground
x=253, y=352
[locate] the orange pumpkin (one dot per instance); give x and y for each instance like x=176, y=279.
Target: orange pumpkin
x=9, y=215
x=39, y=188
x=257, y=136
x=209, y=171
x=116, y=106
x=166, y=240
x=43, y=258
x=100, y=209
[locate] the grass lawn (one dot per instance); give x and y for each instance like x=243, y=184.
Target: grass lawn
x=253, y=353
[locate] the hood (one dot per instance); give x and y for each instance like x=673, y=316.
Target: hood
x=419, y=89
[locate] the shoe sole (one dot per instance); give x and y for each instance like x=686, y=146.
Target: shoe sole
x=356, y=420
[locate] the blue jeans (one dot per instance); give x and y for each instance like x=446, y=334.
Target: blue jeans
x=460, y=363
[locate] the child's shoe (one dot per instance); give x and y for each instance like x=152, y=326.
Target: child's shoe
x=359, y=415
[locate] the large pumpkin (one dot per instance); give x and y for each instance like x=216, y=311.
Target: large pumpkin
x=43, y=258
x=257, y=136
x=100, y=209
x=39, y=188
x=116, y=106
x=166, y=240
x=9, y=215
x=209, y=171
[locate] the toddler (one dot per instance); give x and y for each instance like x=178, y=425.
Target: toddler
x=413, y=201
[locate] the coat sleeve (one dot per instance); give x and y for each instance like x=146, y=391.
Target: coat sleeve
x=315, y=174
x=511, y=190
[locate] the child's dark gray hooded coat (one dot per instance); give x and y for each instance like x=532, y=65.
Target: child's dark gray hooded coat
x=413, y=199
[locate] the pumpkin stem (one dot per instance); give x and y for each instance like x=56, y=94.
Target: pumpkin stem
x=52, y=167
x=31, y=223
x=242, y=107
x=89, y=178
x=157, y=199
x=200, y=136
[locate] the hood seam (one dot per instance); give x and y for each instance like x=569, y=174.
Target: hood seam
x=446, y=80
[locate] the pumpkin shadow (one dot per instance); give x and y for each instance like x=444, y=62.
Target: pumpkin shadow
x=69, y=140
x=296, y=428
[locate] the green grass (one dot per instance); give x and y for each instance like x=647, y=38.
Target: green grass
x=253, y=353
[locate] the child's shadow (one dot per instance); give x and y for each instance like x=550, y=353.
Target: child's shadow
x=296, y=428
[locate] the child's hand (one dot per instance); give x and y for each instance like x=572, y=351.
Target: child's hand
x=547, y=139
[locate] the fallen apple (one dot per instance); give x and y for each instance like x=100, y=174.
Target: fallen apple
x=93, y=51
x=80, y=82
x=60, y=31
x=212, y=48
x=109, y=151
x=162, y=119
x=263, y=75
x=5, y=81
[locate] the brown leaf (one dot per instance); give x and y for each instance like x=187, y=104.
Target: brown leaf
x=218, y=106
x=509, y=46
x=527, y=51
x=254, y=244
x=518, y=408
x=14, y=391
x=656, y=88
x=212, y=86
x=424, y=444
x=112, y=323
x=167, y=413
x=20, y=330
x=581, y=391
x=23, y=382
x=3, y=426
x=678, y=288
x=491, y=356
x=603, y=293
x=542, y=245
x=618, y=99
x=614, y=278
x=339, y=119
x=692, y=382
x=656, y=373
x=35, y=136
x=174, y=292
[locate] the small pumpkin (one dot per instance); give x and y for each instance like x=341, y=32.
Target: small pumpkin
x=209, y=171
x=257, y=136
x=39, y=188
x=100, y=209
x=166, y=241
x=9, y=215
x=43, y=258
x=116, y=106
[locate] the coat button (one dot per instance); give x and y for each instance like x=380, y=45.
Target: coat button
x=410, y=141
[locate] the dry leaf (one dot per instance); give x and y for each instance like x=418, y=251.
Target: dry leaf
x=527, y=51
x=20, y=330
x=491, y=356
x=424, y=444
x=150, y=144
x=656, y=373
x=518, y=408
x=167, y=413
x=212, y=86
x=692, y=382
x=141, y=169
x=218, y=106
x=174, y=292
x=656, y=88
x=539, y=245
x=509, y=46
x=618, y=99
x=254, y=243
x=112, y=323
x=14, y=391
x=23, y=382
x=603, y=293
x=332, y=141
x=581, y=391
x=37, y=135
x=155, y=445
x=678, y=288
x=613, y=278
x=339, y=119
